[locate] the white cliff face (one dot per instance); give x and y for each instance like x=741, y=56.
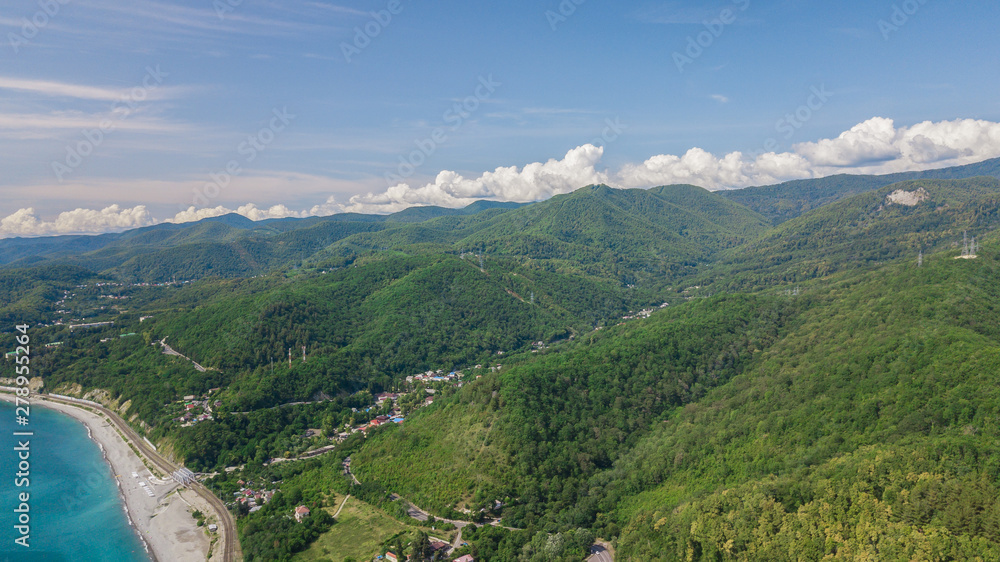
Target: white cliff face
x=907, y=198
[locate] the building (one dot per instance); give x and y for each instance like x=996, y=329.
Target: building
x=391, y=556
x=301, y=513
x=466, y=558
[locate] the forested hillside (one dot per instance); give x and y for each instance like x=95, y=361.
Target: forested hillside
x=663, y=369
x=864, y=231
x=736, y=428
x=791, y=199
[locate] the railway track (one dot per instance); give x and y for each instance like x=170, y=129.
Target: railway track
x=230, y=547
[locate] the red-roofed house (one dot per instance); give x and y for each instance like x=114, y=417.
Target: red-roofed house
x=391, y=556
x=301, y=512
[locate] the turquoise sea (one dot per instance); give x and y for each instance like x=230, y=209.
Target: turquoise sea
x=76, y=514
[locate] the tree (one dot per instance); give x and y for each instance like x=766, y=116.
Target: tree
x=422, y=547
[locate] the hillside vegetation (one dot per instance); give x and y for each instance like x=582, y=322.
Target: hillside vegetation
x=811, y=375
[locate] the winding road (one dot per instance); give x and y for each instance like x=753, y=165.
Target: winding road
x=230, y=547
x=600, y=553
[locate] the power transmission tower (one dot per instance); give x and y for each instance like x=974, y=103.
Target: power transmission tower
x=920, y=259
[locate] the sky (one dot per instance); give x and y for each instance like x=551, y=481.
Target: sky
x=116, y=114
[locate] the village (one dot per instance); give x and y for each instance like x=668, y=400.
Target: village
x=405, y=402
x=197, y=409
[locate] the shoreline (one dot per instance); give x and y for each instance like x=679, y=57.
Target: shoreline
x=160, y=516
x=121, y=495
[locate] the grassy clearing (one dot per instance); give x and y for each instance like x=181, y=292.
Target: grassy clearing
x=358, y=533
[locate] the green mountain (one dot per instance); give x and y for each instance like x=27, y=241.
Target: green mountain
x=806, y=390
x=229, y=245
x=865, y=230
x=740, y=427
x=788, y=200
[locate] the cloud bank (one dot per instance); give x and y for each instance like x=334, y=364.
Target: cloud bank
x=876, y=146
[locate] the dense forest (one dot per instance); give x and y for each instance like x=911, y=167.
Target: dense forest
x=660, y=369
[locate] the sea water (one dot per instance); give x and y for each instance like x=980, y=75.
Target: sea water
x=75, y=511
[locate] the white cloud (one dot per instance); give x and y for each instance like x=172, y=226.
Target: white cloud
x=249, y=211
x=876, y=146
x=720, y=98
x=84, y=92
x=75, y=120
x=450, y=189
x=25, y=222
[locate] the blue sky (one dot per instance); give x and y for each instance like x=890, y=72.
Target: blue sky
x=577, y=93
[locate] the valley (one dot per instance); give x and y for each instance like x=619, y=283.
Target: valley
x=802, y=370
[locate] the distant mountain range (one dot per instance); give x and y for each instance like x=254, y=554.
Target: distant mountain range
x=800, y=371
x=233, y=245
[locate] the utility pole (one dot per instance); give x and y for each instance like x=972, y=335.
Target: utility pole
x=920, y=259
x=289, y=358
x=303, y=354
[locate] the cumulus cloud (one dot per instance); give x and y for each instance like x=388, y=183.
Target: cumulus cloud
x=250, y=211
x=25, y=222
x=876, y=146
x=539, y=180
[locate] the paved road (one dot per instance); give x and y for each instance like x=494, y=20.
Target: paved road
x=230, y=547
x=600, y=554
x=167, y=350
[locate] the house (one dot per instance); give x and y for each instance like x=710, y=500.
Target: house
x=438, y=545
x=301, y=513
x=466, y=558
x=213, y=527
x=391, y=556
